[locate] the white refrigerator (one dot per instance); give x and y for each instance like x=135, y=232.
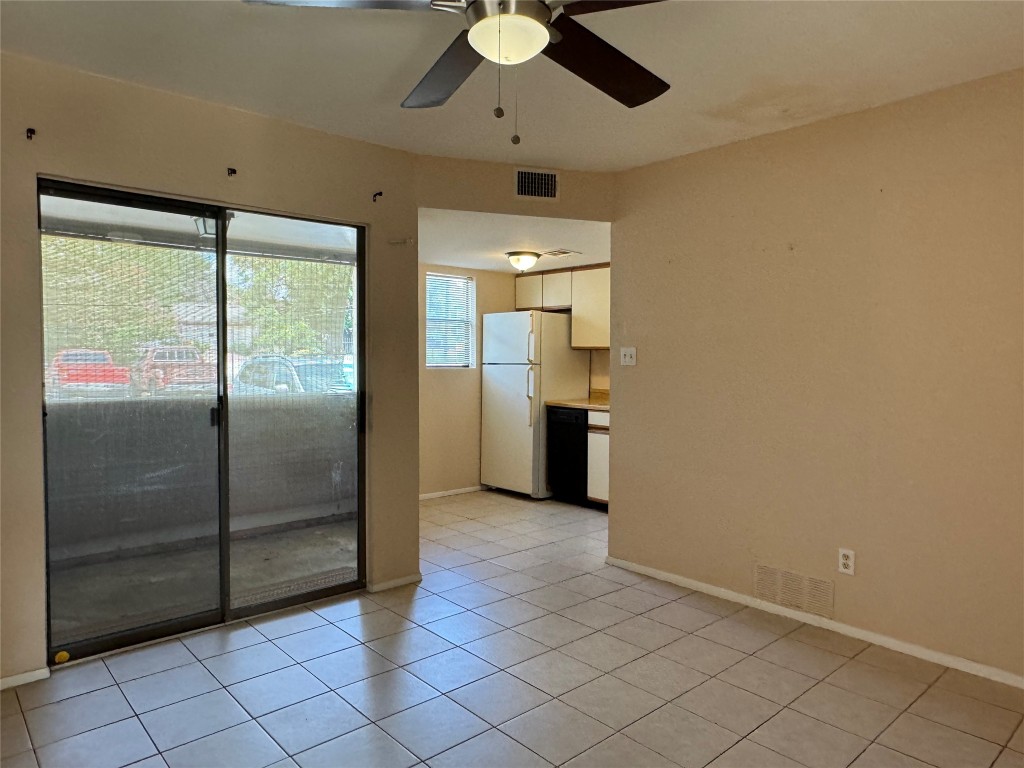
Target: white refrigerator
x=527, y=361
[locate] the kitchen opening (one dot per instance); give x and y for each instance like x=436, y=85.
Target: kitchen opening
x=515, y=364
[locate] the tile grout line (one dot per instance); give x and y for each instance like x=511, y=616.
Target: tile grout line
x=564, y=554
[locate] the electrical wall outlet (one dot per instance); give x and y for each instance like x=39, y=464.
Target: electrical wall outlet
x=847, y=561
x=627, y=355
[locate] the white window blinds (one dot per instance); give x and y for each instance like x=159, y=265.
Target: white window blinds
x=451, y=321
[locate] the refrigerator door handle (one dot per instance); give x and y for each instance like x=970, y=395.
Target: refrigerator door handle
x=529, y=392
x=531, y=340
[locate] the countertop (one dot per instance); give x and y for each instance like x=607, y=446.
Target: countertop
x=598, y=401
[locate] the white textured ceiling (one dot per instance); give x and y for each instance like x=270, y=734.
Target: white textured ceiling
x=737, y=69
x=480, y=240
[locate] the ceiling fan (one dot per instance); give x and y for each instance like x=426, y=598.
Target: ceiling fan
x=513, y=31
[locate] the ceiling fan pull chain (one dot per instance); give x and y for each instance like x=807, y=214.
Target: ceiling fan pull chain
x=515, y=89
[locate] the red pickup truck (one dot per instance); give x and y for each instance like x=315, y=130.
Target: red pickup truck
x=87, y=373
x=165, y=370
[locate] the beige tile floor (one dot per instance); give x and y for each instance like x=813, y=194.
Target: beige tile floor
x=521, y=647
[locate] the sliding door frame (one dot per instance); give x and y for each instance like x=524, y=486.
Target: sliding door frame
x=241, y=612
x=219, y=212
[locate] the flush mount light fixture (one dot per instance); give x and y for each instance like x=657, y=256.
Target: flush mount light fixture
x=522, y=260
x=508, y=31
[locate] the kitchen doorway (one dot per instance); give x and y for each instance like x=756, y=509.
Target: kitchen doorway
x=203, y=414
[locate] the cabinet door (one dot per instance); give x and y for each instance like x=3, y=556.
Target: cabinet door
x=597, y=466
x=591, y=308
x=557, y=290
x=529, y=292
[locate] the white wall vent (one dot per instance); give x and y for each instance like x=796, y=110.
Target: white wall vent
x=534, y=183
x=794, y=590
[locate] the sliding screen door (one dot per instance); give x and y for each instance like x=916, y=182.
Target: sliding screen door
x=131, y=388
x=293, y=407
x=202, y=412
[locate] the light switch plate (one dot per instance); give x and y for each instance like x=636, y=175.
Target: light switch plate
x=627, y=355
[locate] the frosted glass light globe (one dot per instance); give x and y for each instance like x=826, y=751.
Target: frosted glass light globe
x=522, y=260
x=522, y=38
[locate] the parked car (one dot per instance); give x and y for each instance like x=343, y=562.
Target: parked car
x=87, y=373
x=280, y=375
x=177, y=370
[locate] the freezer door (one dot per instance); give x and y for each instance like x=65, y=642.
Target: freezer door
x=512, y=338
x=510, y=427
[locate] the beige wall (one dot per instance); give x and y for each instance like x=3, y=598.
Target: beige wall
x=457, y=185
x=828, y=325
x=450, y=397
x=102, y=131
x=828, y=322
x=107, y=132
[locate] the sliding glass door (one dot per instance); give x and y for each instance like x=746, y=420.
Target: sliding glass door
x=293, y=406
x=202, y=414
x=130, y=348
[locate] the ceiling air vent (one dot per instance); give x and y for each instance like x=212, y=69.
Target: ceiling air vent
x=561, y=253
x=794, y=590
x=533, y=183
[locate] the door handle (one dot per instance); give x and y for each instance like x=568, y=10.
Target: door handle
x=214, y=416
x=529, y=392
x=531, y=339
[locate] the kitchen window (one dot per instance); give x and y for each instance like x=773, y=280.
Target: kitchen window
x=451, y=321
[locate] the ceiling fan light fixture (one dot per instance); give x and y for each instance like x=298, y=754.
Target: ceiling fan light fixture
x=522, y=26
x=522, y=260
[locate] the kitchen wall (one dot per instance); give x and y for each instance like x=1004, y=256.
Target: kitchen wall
x=600, y=376
x=450, y=397
x=107, y=132
x=829, y=324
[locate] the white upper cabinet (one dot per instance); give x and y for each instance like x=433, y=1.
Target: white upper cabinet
x=591, y=308
x=557, y=290
x=587, y=291
x=529, y=292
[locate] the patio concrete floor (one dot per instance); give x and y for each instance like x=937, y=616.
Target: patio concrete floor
x=99, y=598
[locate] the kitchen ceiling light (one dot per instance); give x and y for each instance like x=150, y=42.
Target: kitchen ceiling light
x=509, y=32
x=522, y=260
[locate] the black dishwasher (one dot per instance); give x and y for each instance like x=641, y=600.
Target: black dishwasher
x=567, y=454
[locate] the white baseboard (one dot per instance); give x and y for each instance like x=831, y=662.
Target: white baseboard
x=414, y=578
x=24, y=677
x=918, y=651
x=455, y=492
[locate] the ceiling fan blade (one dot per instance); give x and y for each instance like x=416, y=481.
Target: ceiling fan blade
x=578, y=7
x=603, y=66
x=385, y=5
x=448, y=73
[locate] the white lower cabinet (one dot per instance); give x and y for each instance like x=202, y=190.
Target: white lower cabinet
x=597, y=465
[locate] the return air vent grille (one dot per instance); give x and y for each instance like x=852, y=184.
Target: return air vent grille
x=794, y=590
x=530, y=183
